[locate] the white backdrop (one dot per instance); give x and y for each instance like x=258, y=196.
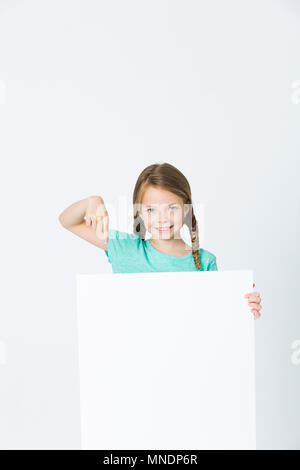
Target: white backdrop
x=91, y=92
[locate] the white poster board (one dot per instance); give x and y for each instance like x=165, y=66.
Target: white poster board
x=166, y=360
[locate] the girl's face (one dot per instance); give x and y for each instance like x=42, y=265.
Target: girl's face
x=163, y=213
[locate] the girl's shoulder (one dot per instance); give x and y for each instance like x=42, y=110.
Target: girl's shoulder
x=208, y=259
x=207, y=254
x=119, y=235
x=119, y=241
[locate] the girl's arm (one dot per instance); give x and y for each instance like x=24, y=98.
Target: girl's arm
x=74, y=214
x=95, y=228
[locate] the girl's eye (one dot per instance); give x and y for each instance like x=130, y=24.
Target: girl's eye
x=171, y=207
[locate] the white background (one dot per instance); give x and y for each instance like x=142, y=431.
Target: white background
x=95, y=91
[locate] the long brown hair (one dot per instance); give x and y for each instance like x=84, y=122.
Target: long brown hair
x=166, y=176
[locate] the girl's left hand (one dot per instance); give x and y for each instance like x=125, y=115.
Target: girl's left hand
x=254, y=302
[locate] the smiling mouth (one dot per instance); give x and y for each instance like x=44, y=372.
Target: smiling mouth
x=164, y=229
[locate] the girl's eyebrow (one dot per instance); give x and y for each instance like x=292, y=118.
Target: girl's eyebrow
x=171, y=204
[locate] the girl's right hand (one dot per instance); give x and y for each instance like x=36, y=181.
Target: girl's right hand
x=97, y=217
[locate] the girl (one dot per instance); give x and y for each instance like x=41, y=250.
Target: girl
x=162, y=203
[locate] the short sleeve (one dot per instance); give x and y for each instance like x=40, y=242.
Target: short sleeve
x=111, y=245
x=108, y=257
x=212, y=266
x=119, y=244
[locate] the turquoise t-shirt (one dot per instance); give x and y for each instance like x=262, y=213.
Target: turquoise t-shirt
x=128, y=253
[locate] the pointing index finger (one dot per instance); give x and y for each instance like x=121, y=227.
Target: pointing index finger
x=106, y=228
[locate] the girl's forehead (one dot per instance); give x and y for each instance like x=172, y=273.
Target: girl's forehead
x=160, y=196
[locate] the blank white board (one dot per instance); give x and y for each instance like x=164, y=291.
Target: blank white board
x=166, y=360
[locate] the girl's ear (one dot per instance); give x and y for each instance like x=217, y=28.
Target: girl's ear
x=186, y=209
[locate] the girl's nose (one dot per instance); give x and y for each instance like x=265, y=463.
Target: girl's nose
x=164, y=219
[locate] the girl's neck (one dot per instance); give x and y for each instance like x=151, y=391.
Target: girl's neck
x=170, y=246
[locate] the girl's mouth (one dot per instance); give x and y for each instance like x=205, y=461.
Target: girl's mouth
x=164, y=229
